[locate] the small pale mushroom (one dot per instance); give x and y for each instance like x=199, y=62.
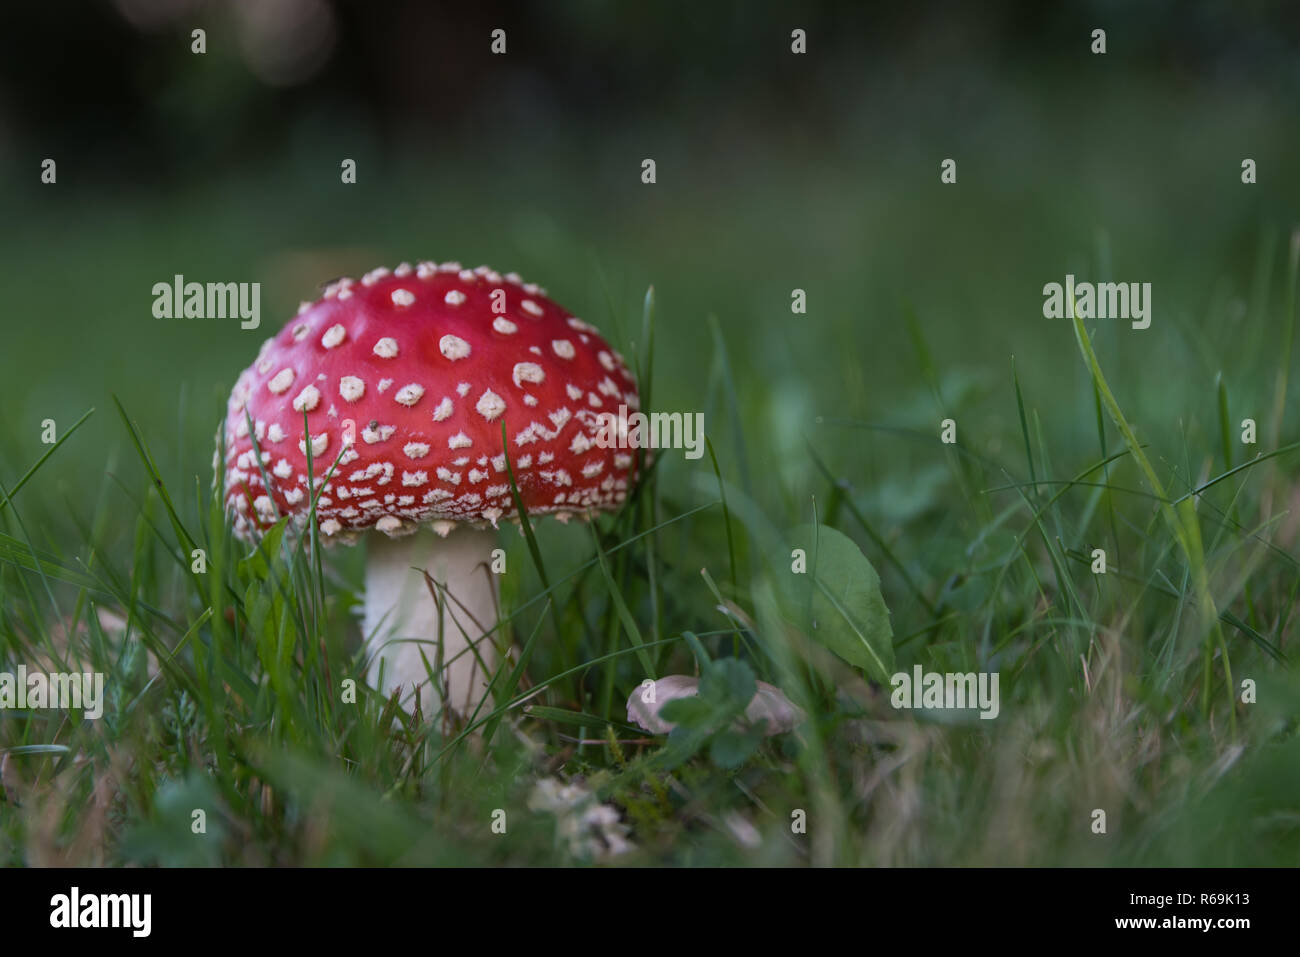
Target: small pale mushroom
x=405, y=383
x=769, y=703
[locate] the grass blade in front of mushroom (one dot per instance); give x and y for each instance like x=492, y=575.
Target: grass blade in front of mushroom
x=620, y=607
x=527, y=526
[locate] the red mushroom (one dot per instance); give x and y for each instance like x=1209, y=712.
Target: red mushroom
x=406, y=378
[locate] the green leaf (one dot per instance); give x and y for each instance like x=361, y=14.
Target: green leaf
x=257, y=566
x=731, y=748
x=692, y=712
x=837, y=601
x=728, y=684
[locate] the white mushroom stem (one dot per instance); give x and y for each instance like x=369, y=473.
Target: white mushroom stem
x=402, y=619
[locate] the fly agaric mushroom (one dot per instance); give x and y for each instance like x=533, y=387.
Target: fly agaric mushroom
x=406, y=377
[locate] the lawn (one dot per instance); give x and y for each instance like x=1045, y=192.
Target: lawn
x=1161, y=691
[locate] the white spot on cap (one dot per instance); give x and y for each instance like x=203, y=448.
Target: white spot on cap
x=528, y=372
x=318, y=444
x=531, y=307
x=334, y=335
x=281, y=381
x=331, y=526
x=530, y=399
x=300, y=331
x=307, y=399
x=388, y=524
x=454, y=297
x=504, y=326
x=416, y=450
x=275, y=433
x=377, y=434
x=459, y=441
x=563, y=348
x=386, y=348
x=282, y=469
x=490, y=405
x=351, y=388
x=303, y=307
x=591, y=470
x=403, y=297
x=444, y=410
x=408, y=395
x=410, y=479
x=448, y=476
x=384, y=384
x=477, y=475
x=293, y=496
x=372, y=277
x=463, y=388
x=453, y=347
x=573, y=391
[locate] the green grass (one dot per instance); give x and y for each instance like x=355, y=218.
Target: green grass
x=226, y=687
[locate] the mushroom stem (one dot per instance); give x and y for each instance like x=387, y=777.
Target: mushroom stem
x=402, y=619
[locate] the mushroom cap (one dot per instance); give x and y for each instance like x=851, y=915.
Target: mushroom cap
x=406, y=377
